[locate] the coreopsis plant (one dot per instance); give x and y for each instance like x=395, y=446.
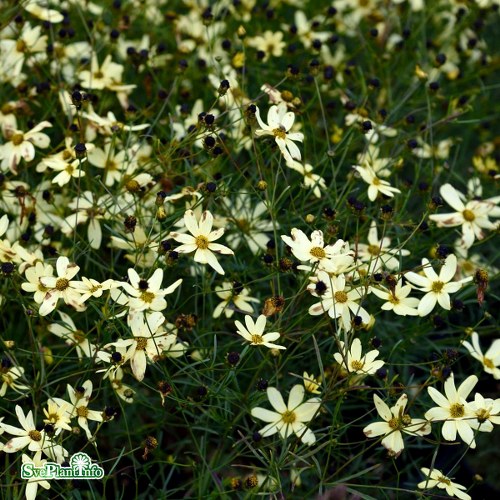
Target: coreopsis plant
x=80, y=398
x=252, y=226
x=29, y=436
x=397, y=299
x=437, y=288
x=314, y=250
x=201, y=240
x=34, y=482
x=490, y=360
x=67, y=330
x=60, y=287
x=486, y=411
x=435, y=478
x=148, y=342
x=279, y=124
x=144, y=295
x=396, y=422
x=21, y=145
x=310, y=180
x=254, y=332
x=454, y=410
x=58, y=414
x=376, y=185
x=473, y=216
x=11, y=377
x=312, y=384
x=353, y=361
x=288, y=418
x=378, y=252
x=338, y=299
x=235, y=298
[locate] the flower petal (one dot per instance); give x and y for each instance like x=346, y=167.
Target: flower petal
x=276, y=400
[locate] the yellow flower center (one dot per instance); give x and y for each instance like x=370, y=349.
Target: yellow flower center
x=437, y=286
x=488, y=363
x=376, y=181
x=243, y=225
x=111, y=165
x=21, y=46
x=406, y=420
x=457, y=410
x=394, y=423
x=393, y=299
x=373, y=250
x=444, y=479
x=82, y=411
x=132, y=186
x=202, y=242
x=52, y=418
x=142, y=342
x=318, y=252
x=468, y=215
x=340, y=297
x=357, y=365
x=257, y=339
x=98, y=74
x=79, y=336
x=482, y=415
x=128, y=393
x=35, y=435
x=288, y=417
x=280, y=133
x=17, y=139
x=62, y=284
x=147, y=297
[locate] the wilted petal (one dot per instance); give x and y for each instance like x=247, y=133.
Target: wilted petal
x=377, y=429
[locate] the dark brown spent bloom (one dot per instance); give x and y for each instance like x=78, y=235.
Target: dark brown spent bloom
x=285, y=264
x=236, y=483
x=164, y=387
x=391, y=282
x=186, y=321
x=481, y=280
x=150, y=444
x=251, y=482
x=273, y=305
x=130, y=223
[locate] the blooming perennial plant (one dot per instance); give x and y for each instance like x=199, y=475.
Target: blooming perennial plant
x=288, y=418
x=396, y=422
